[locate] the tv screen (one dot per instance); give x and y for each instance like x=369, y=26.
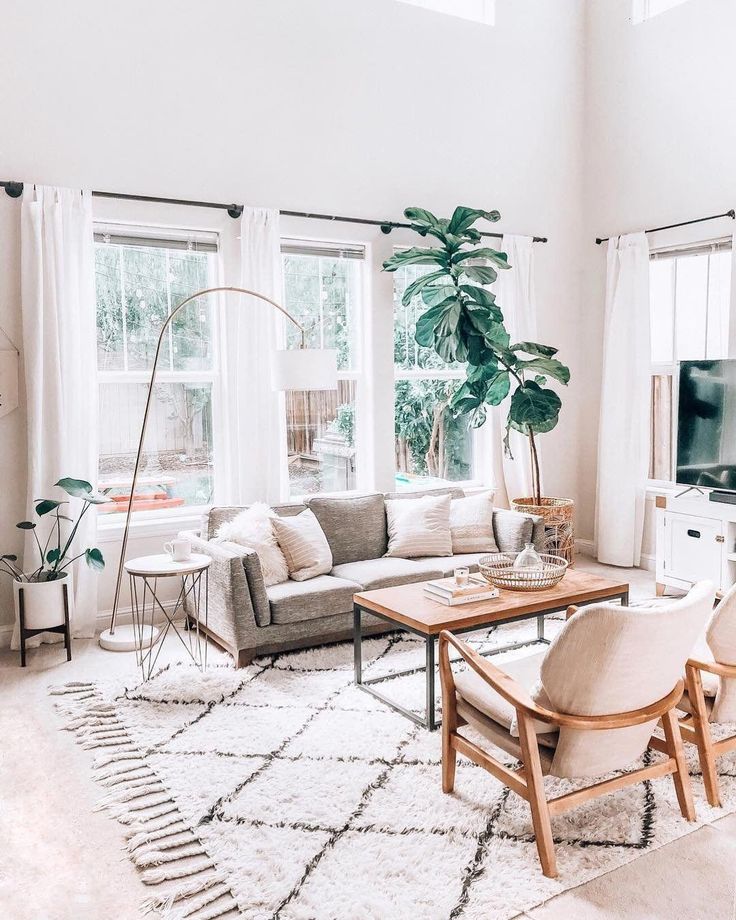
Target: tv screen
x=706, y=424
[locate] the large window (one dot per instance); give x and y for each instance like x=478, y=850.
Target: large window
x=140, y=279
x=432, y=447
x=690, y=299
x=323, y=287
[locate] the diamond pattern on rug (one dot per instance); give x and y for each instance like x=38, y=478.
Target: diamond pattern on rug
x=294, y=795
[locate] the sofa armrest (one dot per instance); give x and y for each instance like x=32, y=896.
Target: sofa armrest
x=231, y=616
x=513, y=529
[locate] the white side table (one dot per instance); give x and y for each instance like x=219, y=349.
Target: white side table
x=144, y=573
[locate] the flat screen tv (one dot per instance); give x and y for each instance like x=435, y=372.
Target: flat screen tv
x=706, y=424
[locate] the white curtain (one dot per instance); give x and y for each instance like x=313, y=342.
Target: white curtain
x=253, y=444
x=623, y=439
x=60, y=361
x=516, y=297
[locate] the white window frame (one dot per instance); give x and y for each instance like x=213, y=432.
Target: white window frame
x=644, y=10
x=481, y=11
x=325, y=247
x=671, y=368
x=161, y=521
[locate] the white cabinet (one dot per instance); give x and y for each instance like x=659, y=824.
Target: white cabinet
x=696, y=540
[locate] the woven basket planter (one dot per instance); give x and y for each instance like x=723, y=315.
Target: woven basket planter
x=559, y=526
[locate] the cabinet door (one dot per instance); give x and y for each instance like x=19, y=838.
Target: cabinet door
x=694, y=548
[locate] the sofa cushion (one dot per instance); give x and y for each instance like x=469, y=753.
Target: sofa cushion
x=221, y=514
x=419, y=528
x=471, y=524
x=323, y=596
x=355, y=526
x=448, y=564
x=304, y=545
x=386, y=572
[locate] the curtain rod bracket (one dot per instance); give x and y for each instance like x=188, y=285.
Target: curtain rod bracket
x=386, y=228
x=14, y=189
x=235, y=211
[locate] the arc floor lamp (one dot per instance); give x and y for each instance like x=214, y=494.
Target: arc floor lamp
x=292, y=369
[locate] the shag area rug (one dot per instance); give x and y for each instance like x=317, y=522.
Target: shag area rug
x=283, y=792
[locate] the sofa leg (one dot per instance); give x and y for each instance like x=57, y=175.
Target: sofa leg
x=243, y=657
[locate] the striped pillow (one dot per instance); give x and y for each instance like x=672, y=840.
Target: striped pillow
x=420, y=527
x=471, y=524
x=304, y=544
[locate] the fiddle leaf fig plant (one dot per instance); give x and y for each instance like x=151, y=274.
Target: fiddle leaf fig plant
x=54, y=553
x=464, y=324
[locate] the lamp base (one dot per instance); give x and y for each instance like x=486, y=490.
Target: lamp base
x=128, y=638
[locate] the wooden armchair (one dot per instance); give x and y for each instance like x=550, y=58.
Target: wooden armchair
x=710, y=697
x=585, y=707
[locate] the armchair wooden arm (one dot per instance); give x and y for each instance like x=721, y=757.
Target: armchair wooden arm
x=713, y=667
x=517, y=696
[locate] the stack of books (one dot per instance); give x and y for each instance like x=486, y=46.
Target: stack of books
x=447, y=591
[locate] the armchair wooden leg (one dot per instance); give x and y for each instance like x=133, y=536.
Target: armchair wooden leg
x=703, y=740
x=681, y=777
x=537, y=800
x=449, y=719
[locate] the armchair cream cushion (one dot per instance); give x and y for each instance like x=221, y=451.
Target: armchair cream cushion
x=720, y=637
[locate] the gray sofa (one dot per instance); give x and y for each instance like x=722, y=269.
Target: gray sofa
x=248, y=619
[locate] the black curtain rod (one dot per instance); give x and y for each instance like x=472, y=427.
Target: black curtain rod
x=683, y=223
x=15, y=190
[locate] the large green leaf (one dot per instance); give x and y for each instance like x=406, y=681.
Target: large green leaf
x=415, y=256
x=499, y=259
x=477, y=417
x=53, y=555
x=436, y=294
x=463, y=218
x=464, y=400
x=26, y=525
x=534, y=407
x=47, y=504
x=534, y=348
x=421, y=216
x=78, y=488
x=480, y=295
x=483, y=274
x=416, y=286
x=95, y=560
x=497, y=337
x=499, y=388
x=424, y=333
x=550, y=367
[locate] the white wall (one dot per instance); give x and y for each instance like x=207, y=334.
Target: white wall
x=359, y=107
x=660, y=147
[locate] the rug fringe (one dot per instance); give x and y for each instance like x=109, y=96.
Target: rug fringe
x=159, y=840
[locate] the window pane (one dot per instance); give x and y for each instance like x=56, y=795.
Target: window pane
x=407, y=354
x=320, y=431
x=660, y=464
x=323, y=293
x=431, y=445
x=691, y=297
x=662, y=309
x=719, y=304
x=110, y=325
x=176, y=467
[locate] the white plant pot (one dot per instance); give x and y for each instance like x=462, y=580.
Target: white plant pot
x=43, y=601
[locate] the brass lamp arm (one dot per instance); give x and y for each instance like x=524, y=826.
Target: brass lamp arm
x=149, y=397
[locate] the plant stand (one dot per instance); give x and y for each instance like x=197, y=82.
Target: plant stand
x=62, y=628
x=559, y=524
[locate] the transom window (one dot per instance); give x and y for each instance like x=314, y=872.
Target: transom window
x=141, y=276
x=483, y=11
x=690, y=311
x=323, y=290
x=642, y=10
x=431, y=446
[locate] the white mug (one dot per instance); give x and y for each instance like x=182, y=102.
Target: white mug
x=180, y=550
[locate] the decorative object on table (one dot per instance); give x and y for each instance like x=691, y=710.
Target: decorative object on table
x=498, y=569
x=528, y=559
x=559, y=525
x=180, y=550
x=447, y=591
x=464, y=324
x=43, y=596
x=145, y=573
x=462, y=574
x=293, y=369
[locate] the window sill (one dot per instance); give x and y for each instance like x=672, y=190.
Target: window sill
x=151, y=523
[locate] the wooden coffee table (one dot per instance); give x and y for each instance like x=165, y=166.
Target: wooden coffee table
x=407, y=607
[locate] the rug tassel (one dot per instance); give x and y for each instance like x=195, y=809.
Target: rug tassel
x=128, y=817
x=151, y=825
x=103, y=760
x=164, y=902
x=156, y=876
x=113, y=777
x=119, y=796
x=144, y=840
x=160, y=857
x=213, y=894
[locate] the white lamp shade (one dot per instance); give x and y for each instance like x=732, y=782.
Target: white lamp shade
x=304, y=369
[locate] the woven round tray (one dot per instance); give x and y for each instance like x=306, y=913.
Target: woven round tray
x=498, y=569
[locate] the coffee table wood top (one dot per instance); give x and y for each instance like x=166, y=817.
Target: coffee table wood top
x=409, y=605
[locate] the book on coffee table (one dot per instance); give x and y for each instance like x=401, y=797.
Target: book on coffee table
x=447, y=591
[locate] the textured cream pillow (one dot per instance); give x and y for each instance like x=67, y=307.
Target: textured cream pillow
x=304, y=545
x=419, y=526
x=252, y=528
x=471, y=524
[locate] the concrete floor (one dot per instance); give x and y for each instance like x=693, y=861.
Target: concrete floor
x=61, y=860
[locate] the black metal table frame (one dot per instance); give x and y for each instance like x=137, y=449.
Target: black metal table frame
x=430, y=720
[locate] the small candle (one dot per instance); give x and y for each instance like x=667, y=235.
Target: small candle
x=462, y=575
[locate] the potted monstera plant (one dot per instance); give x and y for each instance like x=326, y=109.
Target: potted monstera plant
x=43, y=591
x=464, y=323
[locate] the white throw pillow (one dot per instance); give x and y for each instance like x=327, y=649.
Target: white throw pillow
x=304, y=545
x=419, y=526
x=253, y=529
x=471, y=524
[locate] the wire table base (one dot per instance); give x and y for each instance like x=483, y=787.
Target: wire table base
x=147, y=607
